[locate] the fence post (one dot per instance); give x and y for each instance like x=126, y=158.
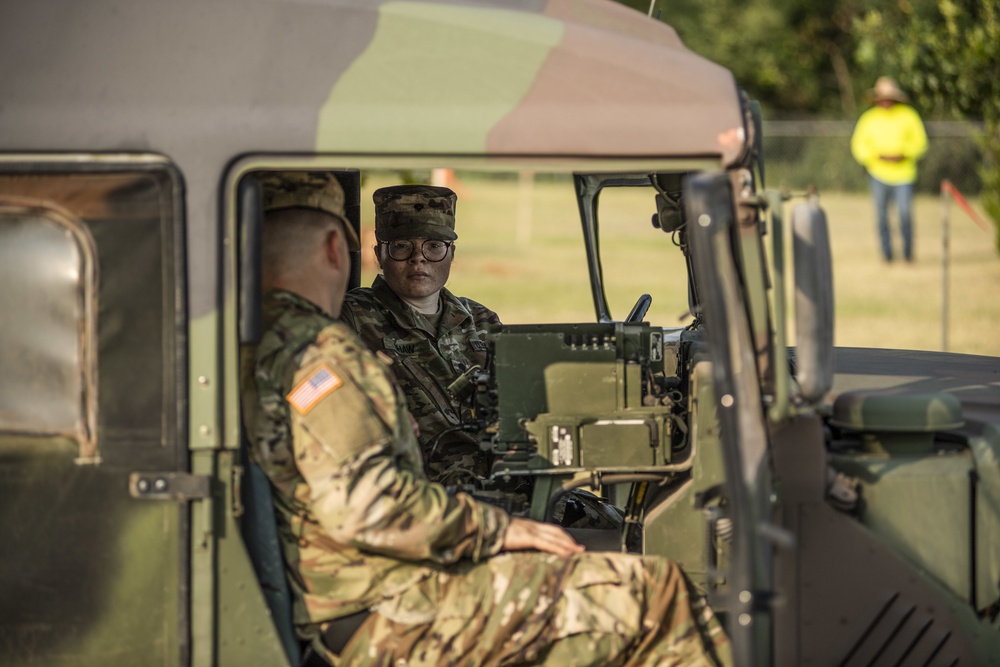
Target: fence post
x=949, y=192
x=525, y=193
x=945, y=198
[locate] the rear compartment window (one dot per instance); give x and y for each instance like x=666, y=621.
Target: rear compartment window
x=90, y=305
x=47, y=288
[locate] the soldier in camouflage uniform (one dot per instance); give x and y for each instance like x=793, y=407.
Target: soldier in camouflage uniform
x=426, y=578
x=436, y=340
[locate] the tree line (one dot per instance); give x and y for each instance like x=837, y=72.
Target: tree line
x=807, y=59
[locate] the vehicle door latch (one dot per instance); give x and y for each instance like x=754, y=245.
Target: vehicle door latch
x=169, y=486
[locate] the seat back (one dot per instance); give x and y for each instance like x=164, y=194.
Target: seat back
x=260, y=534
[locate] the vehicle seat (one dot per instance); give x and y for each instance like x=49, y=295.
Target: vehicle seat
x=260, y=534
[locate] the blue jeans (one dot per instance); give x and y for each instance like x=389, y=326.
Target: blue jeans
x=903, y=194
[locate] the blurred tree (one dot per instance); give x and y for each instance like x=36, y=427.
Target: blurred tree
x=806, y=58
x=792, y=55
x=946, y=53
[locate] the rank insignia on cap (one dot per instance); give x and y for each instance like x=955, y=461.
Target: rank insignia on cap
x=310, y=391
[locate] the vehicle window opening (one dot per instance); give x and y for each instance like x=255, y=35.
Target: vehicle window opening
x=127, y=217
x=48, y=290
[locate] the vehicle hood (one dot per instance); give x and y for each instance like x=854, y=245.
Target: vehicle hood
x=973, y=379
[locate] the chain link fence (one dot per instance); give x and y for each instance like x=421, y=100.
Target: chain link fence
x=798, y=154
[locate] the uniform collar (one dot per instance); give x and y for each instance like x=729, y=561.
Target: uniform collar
x=281, y=299
x=453, y=312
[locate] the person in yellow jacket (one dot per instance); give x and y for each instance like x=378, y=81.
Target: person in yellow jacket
x=887, y=141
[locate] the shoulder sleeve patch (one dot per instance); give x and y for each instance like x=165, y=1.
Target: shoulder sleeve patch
x=321, y=382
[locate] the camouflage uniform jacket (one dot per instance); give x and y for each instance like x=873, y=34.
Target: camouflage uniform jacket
x=358, y=521
x=426, y=363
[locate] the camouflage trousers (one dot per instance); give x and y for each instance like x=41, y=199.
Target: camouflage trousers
x=532, y=609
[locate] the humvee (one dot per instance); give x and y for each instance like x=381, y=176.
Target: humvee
x=838, y=506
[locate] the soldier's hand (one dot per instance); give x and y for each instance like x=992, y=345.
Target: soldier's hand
x=523, y=534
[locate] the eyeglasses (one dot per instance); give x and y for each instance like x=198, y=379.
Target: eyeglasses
x=432, y=250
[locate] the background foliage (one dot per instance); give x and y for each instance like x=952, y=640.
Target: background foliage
x=806, y=59
x=947, y=53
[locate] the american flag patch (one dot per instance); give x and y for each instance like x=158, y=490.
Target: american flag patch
x=308, y=393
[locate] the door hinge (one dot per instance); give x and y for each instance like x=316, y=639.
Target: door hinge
x=169, y=486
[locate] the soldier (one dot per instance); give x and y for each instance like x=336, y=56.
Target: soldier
x=435, y=339
x=385, y=567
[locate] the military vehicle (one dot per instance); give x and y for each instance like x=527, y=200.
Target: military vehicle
x=839, y=506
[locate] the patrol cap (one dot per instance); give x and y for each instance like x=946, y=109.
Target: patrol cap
x=414, y=211
x=307, y=189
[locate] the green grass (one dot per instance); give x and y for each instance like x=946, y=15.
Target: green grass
x=520, y=251
x=901, y=305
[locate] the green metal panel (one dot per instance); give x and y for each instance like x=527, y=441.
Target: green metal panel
x=920, y=505
x=87, y=570
x=584, y=387
x=986, y=454
x=673, y=527
x=522, y=360
x=613, y=443
x=927, y=507
x=577, y=391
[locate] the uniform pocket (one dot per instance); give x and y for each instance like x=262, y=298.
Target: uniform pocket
x=602, y=595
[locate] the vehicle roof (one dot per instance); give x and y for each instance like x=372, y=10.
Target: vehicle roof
x=529, y=77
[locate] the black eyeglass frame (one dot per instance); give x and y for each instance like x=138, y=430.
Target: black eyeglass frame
x=413, y=249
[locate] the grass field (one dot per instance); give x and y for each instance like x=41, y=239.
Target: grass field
x=520, y=251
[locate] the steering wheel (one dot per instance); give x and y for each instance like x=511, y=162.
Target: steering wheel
x=639, y=309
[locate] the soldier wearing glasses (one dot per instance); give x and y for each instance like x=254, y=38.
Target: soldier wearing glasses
x=435, y=339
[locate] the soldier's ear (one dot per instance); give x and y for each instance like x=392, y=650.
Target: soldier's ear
x=336, y=238
x=378, y=257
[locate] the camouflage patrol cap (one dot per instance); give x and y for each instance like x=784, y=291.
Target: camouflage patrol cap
x=307, y=189
x=414, y=211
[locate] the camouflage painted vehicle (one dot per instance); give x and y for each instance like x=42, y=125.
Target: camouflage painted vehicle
x=838, y=505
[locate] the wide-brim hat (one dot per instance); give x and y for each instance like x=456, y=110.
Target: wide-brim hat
x=318, y=190
x=886, y=89
x=414, y=211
